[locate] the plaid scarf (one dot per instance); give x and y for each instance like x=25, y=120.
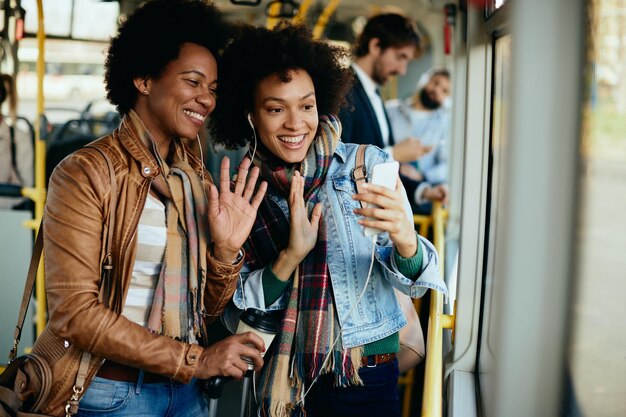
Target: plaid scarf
x=310, y=324
x=178, y=302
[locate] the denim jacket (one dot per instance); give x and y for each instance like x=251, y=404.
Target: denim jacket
x=377, y=314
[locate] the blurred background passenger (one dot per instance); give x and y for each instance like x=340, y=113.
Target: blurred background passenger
x=16, y=146
x=425, y=117
x=383, y=50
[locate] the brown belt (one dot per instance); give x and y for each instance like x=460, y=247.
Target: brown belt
x=374, y=360
x=118, y=372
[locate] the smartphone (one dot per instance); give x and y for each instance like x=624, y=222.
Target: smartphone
x=385, y=175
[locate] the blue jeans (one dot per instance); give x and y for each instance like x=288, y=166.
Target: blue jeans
x=105, y=397
x=377, y=397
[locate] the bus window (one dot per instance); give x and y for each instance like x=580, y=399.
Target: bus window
x=499, y=142
x=73, y=78
x=85, y=20
x=598, y=341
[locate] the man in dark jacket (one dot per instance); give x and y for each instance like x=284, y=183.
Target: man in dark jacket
x=384, y=48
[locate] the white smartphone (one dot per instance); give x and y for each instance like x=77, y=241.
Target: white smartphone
x=385, y=175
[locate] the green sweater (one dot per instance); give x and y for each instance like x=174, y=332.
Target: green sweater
x=409, y=267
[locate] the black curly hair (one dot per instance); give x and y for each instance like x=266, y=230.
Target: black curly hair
x=152, y=37
x=257, y=53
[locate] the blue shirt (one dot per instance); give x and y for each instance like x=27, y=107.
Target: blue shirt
x=431, y=127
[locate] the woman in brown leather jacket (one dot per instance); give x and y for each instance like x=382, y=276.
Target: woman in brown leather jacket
x=176, y=241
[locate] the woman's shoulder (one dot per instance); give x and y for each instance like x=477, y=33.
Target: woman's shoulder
x=372, y=152
x=88, y=164
x=348, y=154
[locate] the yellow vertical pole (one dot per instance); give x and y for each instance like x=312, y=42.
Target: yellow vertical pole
x=433, y=376
x=274, y=10
x=423, y=222
x=438, y=234
x=40, y=164
x=302, y=11
x=322, y=21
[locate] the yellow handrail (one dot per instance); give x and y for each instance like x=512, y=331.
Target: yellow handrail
x=322, y=21
x=439, y=239
x=38, y=192
x=437, y=321
x=302, y=11
x=423, y=222
x=274, y=11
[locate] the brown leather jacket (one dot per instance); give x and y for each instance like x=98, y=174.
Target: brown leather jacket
x=74, y=226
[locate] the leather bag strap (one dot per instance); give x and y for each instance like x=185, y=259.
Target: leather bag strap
x=28, y=292
x=359, y=172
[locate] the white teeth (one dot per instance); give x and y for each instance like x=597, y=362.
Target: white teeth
x=291, y=139
x=194, y=115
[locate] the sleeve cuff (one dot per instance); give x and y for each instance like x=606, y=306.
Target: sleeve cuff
x=223, y=268
x=410, y=267
x=417, y=197
x=188, y=365
x=272, y=286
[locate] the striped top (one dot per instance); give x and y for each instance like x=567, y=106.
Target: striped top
x=151, y=239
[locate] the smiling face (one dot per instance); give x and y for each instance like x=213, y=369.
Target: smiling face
x=177, y=103
x=285, y=115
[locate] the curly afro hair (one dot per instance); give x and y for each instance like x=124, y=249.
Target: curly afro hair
x=257, y=53
x=152, y=37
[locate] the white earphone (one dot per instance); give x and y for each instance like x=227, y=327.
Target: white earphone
x=253, y=133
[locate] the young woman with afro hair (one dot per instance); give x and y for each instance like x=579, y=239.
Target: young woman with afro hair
x=307, y=254
x=176, y=245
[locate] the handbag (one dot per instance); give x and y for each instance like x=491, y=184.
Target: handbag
x=26, y=384
x=411, y=336
x=412, y=347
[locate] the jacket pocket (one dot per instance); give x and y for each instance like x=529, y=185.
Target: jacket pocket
x=105, y=396
x=345, y=188
x=64, y=360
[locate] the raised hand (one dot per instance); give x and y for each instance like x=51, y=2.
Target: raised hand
x=409, y=150
x=232, y=213
x=302, y=232
x=436, y=193
x=390, y=216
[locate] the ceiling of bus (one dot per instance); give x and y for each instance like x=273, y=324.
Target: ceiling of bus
x=343, y=23
x=97, y=21
x=347, y=10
